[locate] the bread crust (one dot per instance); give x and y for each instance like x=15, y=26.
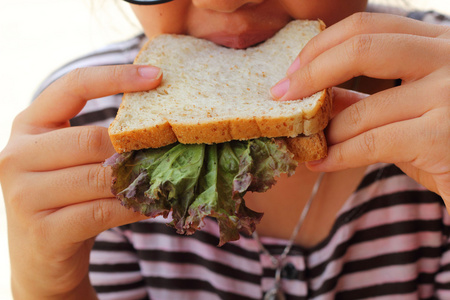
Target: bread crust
x=220, y=131
x=308, y=148
x=308, y=122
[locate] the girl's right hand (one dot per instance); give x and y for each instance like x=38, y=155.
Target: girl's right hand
x=57, y=193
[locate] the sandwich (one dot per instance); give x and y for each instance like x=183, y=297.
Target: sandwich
x=194, y=146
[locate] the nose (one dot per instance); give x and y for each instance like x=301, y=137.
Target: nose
x=226, y=6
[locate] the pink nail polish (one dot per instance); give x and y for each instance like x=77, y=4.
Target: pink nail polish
x=294, y=67
x=280, y=89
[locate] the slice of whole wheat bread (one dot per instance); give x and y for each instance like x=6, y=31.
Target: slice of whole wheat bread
x=212, y=94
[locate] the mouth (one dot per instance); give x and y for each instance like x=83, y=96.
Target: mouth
x=240, y=41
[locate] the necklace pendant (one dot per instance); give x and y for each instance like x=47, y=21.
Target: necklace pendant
x=274, y=294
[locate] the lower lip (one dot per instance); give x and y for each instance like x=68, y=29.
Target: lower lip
x=239, y=41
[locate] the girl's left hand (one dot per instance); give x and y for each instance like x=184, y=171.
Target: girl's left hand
x=408, y=125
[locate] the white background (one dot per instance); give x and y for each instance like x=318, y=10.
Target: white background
x=38, y=36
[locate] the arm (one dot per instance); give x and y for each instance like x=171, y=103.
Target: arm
x=56, y=192
x=406, y=125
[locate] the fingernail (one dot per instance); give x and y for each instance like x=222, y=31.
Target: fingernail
x=150, y=72
x=294, y=67
x=280, y=89
x=315, y=162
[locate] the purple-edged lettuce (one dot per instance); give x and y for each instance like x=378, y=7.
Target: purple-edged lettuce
x=195, y=181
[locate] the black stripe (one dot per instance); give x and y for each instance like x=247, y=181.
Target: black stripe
x=385, y=201
x=119, y=287
x=383, y=261
x=442, y=286
x=395, y=288
x=374, y=262
x=366, y=265
x=383, y=173
x=391, y=259
x=292, y=297
x=95, y=116
x=202, y=236
x=445, y=268
x=193, y=259
x=378, y=232
x=113, y=268
x=191, y=284
x=113, y=246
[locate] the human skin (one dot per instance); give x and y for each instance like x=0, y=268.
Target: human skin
x=58, y=196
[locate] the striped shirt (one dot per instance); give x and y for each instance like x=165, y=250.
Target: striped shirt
x=390, y=239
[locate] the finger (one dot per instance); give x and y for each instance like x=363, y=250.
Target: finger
x=390, y=144
x=389, y=106
x=363, y=23
x=80, y=222
x=64, y=98
x=68, y=186
x=343, y=98
x=383, y=56
x=64, y=148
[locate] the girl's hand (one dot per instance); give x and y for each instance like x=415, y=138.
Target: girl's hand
x=56, y=191
x=407, y=125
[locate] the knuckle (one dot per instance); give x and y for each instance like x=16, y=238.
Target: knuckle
x=17, y=203
x=368, y=145
x=307, y=74
x=75, y=80
x=7, y=157
x=356, y=113
x=91, y=139
x=99, y=178
x=359, y=46
x=339, y=155
x=101, y=212
x=360, y=20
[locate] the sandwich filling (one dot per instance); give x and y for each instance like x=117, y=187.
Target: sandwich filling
x=193, y=181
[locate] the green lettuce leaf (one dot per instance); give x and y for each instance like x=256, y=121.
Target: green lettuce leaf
x=197, y=181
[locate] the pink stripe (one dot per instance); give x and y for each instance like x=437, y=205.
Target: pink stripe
x=107, y=278
x=185, y=294
x=112, y=257
x=394, y=244
x=120, y=295
x=170, y=244
x=292, y=287
x=398, y=273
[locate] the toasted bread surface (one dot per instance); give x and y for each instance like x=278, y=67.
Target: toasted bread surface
x=212, y=94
